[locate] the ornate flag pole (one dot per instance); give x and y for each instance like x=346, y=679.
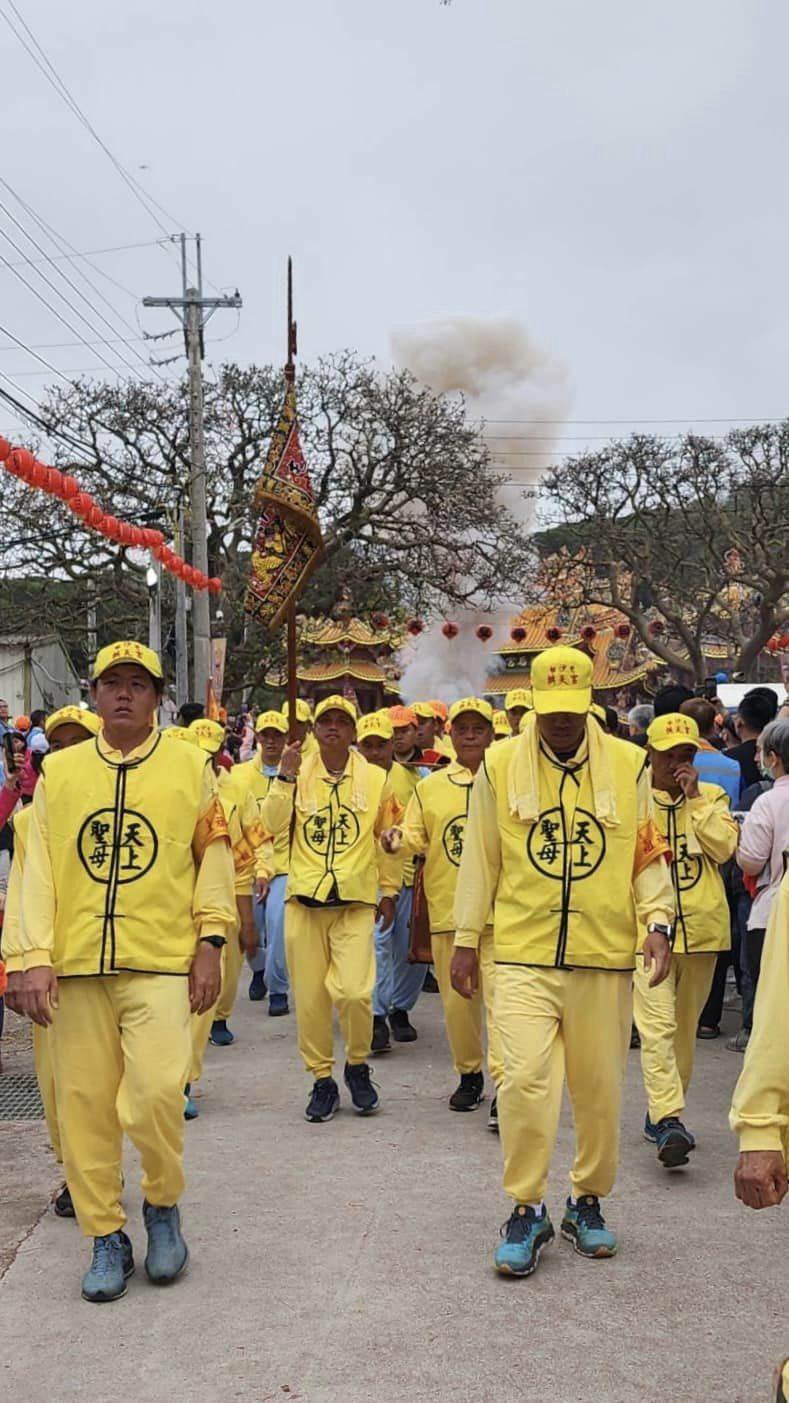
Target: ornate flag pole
x=288, y=544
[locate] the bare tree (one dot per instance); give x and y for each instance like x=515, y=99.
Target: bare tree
x=406, y=495
x=688, y=538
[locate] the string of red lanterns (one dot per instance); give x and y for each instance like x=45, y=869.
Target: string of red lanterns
x=22, y=464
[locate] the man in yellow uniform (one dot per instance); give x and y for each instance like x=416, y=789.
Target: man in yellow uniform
x=405, y=725
x=501, y=726
x=70, y=725
x=434, y=825
x=342, y=805
x=247, y=836
x=695, y=821
x=517, y=704
x=561, y=842
x=398, y=984
x=269, y=968
x=760, y=1106
x=127, y=901
x=430, y=729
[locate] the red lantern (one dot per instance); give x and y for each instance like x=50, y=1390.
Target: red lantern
x=111, y=525
x=773, y=645
x=124, y=533
x=518, y=634
x=81, y=504
x=415, y=627
x=553, y=634
x=657, y=626
x=484, y=632
x=379, y=622
x=95, y=517
x=784, y=640
x=450, y=630
x=137, y=536
x=623, y=631
x=589, y=633
x=21, y=463
x=38, y=474
x=5, y=449
x=54, y=482
x=215, y=585
x=69, y=487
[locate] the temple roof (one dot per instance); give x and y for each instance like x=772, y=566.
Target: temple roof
x=316, y=673
x=332, y=633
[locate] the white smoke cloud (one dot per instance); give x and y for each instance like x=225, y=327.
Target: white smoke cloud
x=522, y=395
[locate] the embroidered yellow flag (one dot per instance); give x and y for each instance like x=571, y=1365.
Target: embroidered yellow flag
x=288, y=544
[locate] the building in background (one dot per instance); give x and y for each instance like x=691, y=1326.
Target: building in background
x=36, y=673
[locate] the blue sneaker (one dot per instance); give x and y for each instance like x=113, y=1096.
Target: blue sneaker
x=113, y=1262
x=524, y=1235
x=674, y=1142
x=257, y=986
x=324, y=1101
x=191, y=1110
x=220, y=1035
x=650, y=1130
x=584, y=1226
x=278, y=1005
x=167, y=1253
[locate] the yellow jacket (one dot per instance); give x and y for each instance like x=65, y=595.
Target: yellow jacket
x=702, y=835
x=250, y=779
x=568, y=886
x=12, y=939
x=434, y=825
x=335, y=853
x=247, y=835
x=760, y=1107
x=127, y=862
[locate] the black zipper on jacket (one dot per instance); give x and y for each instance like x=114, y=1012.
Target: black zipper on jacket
x=567, y=867
x=673, y=842
x=108, y=926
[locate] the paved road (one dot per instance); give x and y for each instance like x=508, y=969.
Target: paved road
x=350, y=1262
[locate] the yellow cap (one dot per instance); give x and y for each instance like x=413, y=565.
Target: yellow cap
x=303, y=711
x=209, y=735
x=180, y=733
x=673, y=729
x=72, y=716
x=501, y=724
x=378, y=723
x=336, y=703
x=273, y=721
x=476, y=704
x=126, y=652
x=519, y=696
x=425, y=710
x=561, y=680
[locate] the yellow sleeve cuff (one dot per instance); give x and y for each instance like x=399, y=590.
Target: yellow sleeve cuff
x=467, y=939
x=31, y=959
x=14, y=964
x=765, y=1137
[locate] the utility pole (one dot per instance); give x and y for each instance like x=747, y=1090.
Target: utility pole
x=193, y=311
x=181, y=645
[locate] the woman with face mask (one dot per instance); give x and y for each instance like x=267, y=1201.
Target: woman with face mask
x=764, y=839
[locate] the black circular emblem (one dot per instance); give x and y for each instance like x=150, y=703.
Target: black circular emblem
x=318, y=830
x=454, y=833
x=136, y=846
x=545, y=845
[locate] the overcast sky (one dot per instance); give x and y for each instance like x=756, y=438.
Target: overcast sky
x=612, y=175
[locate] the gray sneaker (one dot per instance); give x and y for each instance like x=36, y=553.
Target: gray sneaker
x=167, y=1253
x=739, y=1042
x=113, y=1262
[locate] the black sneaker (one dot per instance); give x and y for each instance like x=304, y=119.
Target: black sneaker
x=63, y=1205
x=324, y=1101
x=430, y=985
x=493, y=1116
x=380, y=1042
x=469, y=1093
x=403, y=1030
x=363, y=1094
x=674, y=1142
x=635, y=1039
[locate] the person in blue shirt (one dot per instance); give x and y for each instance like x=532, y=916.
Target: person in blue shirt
x=713, y=765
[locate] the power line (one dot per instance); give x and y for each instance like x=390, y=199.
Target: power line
x=44, y=64
x=689, y=419
x=93, y=252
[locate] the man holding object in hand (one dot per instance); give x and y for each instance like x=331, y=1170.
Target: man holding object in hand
x=127, y=901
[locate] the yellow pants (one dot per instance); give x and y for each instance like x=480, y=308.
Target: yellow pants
x=231, y=972
x=201, y=1022
x=121, y=1051
x=463, y=1017
x=42, y=1050
x=552, y=1024
x=666, y=1018
x=331, y=960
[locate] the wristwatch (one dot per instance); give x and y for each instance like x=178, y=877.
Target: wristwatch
x=656, y=928
x=286, y=779
x=218, y=941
